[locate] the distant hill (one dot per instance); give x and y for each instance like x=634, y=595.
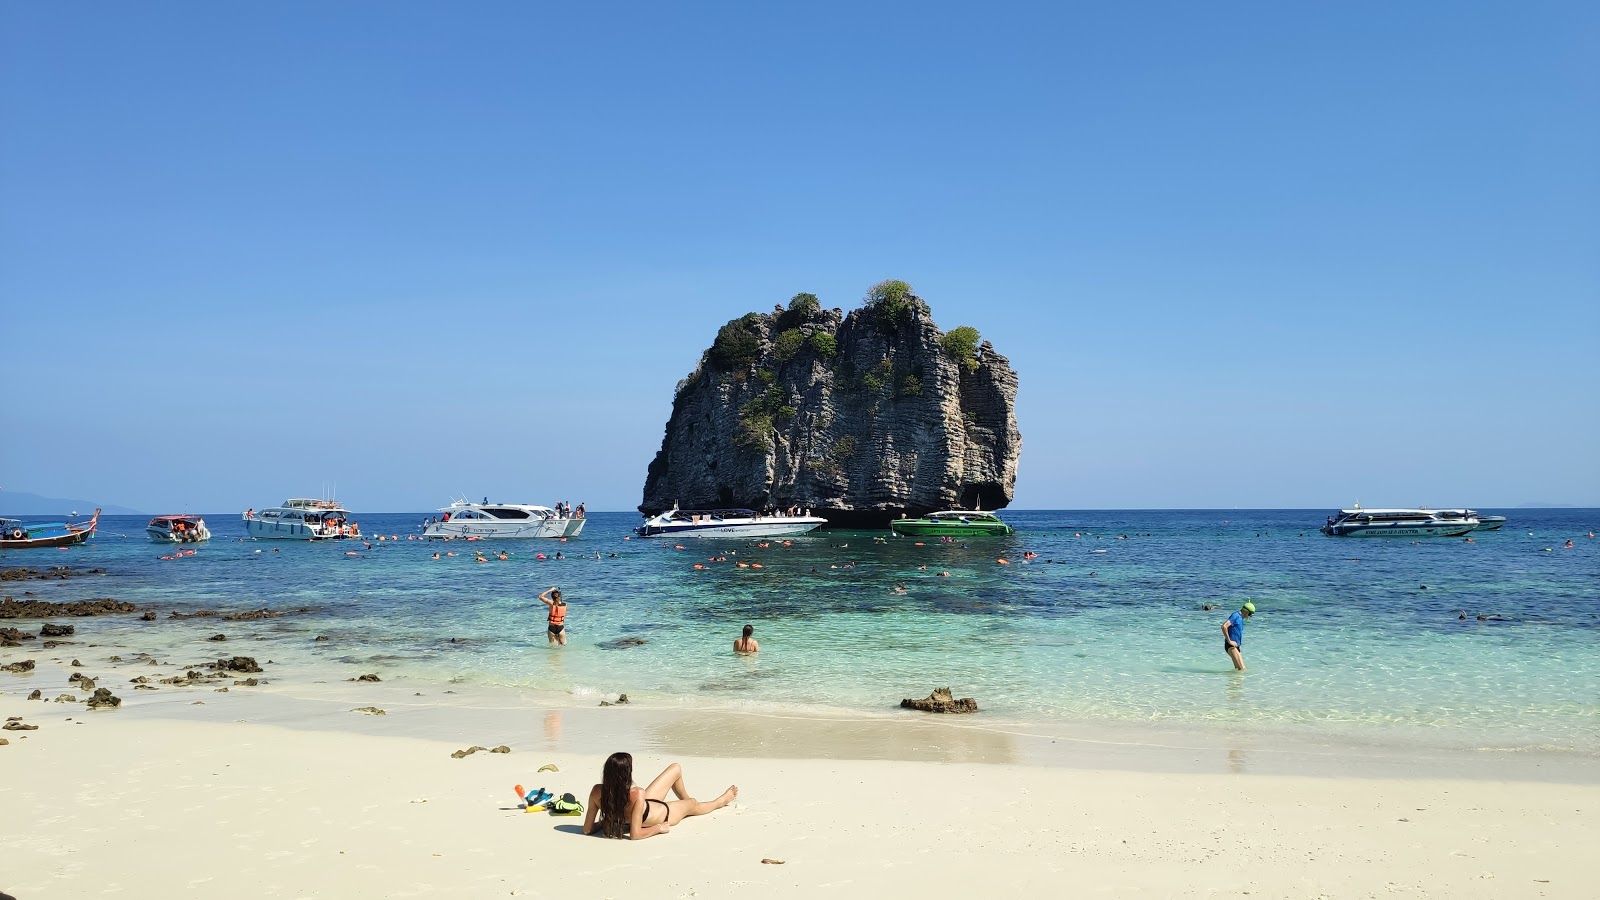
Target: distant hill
x=20, y=503
x=1548, y=506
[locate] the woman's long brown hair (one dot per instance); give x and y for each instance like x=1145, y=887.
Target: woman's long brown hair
x=616, y=781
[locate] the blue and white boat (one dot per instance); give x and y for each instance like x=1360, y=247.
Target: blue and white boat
x=726, y=523
x=300, y=519
x=1399, y=523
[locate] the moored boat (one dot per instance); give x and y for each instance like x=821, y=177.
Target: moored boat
x=953, y=523
x=300, y=519
x=463, y=519
x=16, y=534
x=1392, y=523
x=180, y=529
x=724, y=523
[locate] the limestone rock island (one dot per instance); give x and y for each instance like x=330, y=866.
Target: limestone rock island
x=859, y=417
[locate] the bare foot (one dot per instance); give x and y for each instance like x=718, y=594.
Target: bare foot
x=727, y=796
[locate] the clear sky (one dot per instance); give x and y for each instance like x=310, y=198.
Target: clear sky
x=1241, y=254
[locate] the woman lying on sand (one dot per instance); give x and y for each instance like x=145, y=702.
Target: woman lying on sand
x=638, y=813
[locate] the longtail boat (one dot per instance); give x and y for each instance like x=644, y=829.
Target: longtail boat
x=16, y=534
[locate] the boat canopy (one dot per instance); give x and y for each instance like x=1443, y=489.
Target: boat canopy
x=303, y=503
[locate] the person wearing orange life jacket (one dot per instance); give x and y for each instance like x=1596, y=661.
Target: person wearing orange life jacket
x=557, y=632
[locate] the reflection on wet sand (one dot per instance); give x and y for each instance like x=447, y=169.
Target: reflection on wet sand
x=804, y=738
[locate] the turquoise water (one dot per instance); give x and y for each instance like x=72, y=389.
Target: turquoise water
x=1347, y=642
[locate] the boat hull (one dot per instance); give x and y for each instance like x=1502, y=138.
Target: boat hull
x=1379, y=530
x=290, y=531
x=919, y=528
x=506, y=530
x=726, y=530
x=162, y=536
x=1490, y=523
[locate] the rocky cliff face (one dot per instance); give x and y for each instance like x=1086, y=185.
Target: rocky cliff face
x=859, y=417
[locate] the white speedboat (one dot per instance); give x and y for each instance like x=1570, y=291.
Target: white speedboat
x=462, y=519
x=1404, y=523
x=725, y=523
x=299, y=519
x=178, y=530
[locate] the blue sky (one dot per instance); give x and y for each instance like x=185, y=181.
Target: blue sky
x=1241, y=254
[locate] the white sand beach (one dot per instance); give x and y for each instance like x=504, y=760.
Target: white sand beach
x=285, y=792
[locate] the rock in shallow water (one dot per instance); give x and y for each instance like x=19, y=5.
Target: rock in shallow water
x=941, y=701
x=103, y=699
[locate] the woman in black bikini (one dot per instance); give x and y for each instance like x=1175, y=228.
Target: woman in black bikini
x=625, y=810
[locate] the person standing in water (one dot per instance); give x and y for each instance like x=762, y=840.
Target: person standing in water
x=1233, y=634
x=557, y=631
x=747, y=644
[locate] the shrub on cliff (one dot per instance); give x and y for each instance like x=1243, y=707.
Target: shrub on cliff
x=738, y=343
x=892, y=304
x=787, y=344
x=962, y=345
x=803, y=308
x=824, y=343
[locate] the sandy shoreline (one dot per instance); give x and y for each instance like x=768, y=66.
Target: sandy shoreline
x=282, y=790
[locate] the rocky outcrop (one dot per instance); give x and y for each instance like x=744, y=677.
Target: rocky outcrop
x=38, y=609
x=941, y=701
x=858, y=417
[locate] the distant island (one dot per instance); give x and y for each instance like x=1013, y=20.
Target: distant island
x=21, y=503
x=860, y=418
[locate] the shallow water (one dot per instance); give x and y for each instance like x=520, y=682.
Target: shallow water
x=1346, y=644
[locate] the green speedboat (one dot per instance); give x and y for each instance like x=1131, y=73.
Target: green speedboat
x=952, y=523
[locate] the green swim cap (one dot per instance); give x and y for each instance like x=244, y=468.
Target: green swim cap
x=1248, y=607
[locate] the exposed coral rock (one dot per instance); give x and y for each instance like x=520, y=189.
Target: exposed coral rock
x=23, y=573
x=368, y=677
x=217, y=637
x=942, y=701
x=11, y=608
x=51, y=629
x=858, y=417
x=370, y=710
x=19, y=667
x=102, y=699
x=244, y=664
x=460, y=754
x=12, y=634
x=36, y=695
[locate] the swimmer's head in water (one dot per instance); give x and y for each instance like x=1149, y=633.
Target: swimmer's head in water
x=749, y=630
x=1248, y=608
